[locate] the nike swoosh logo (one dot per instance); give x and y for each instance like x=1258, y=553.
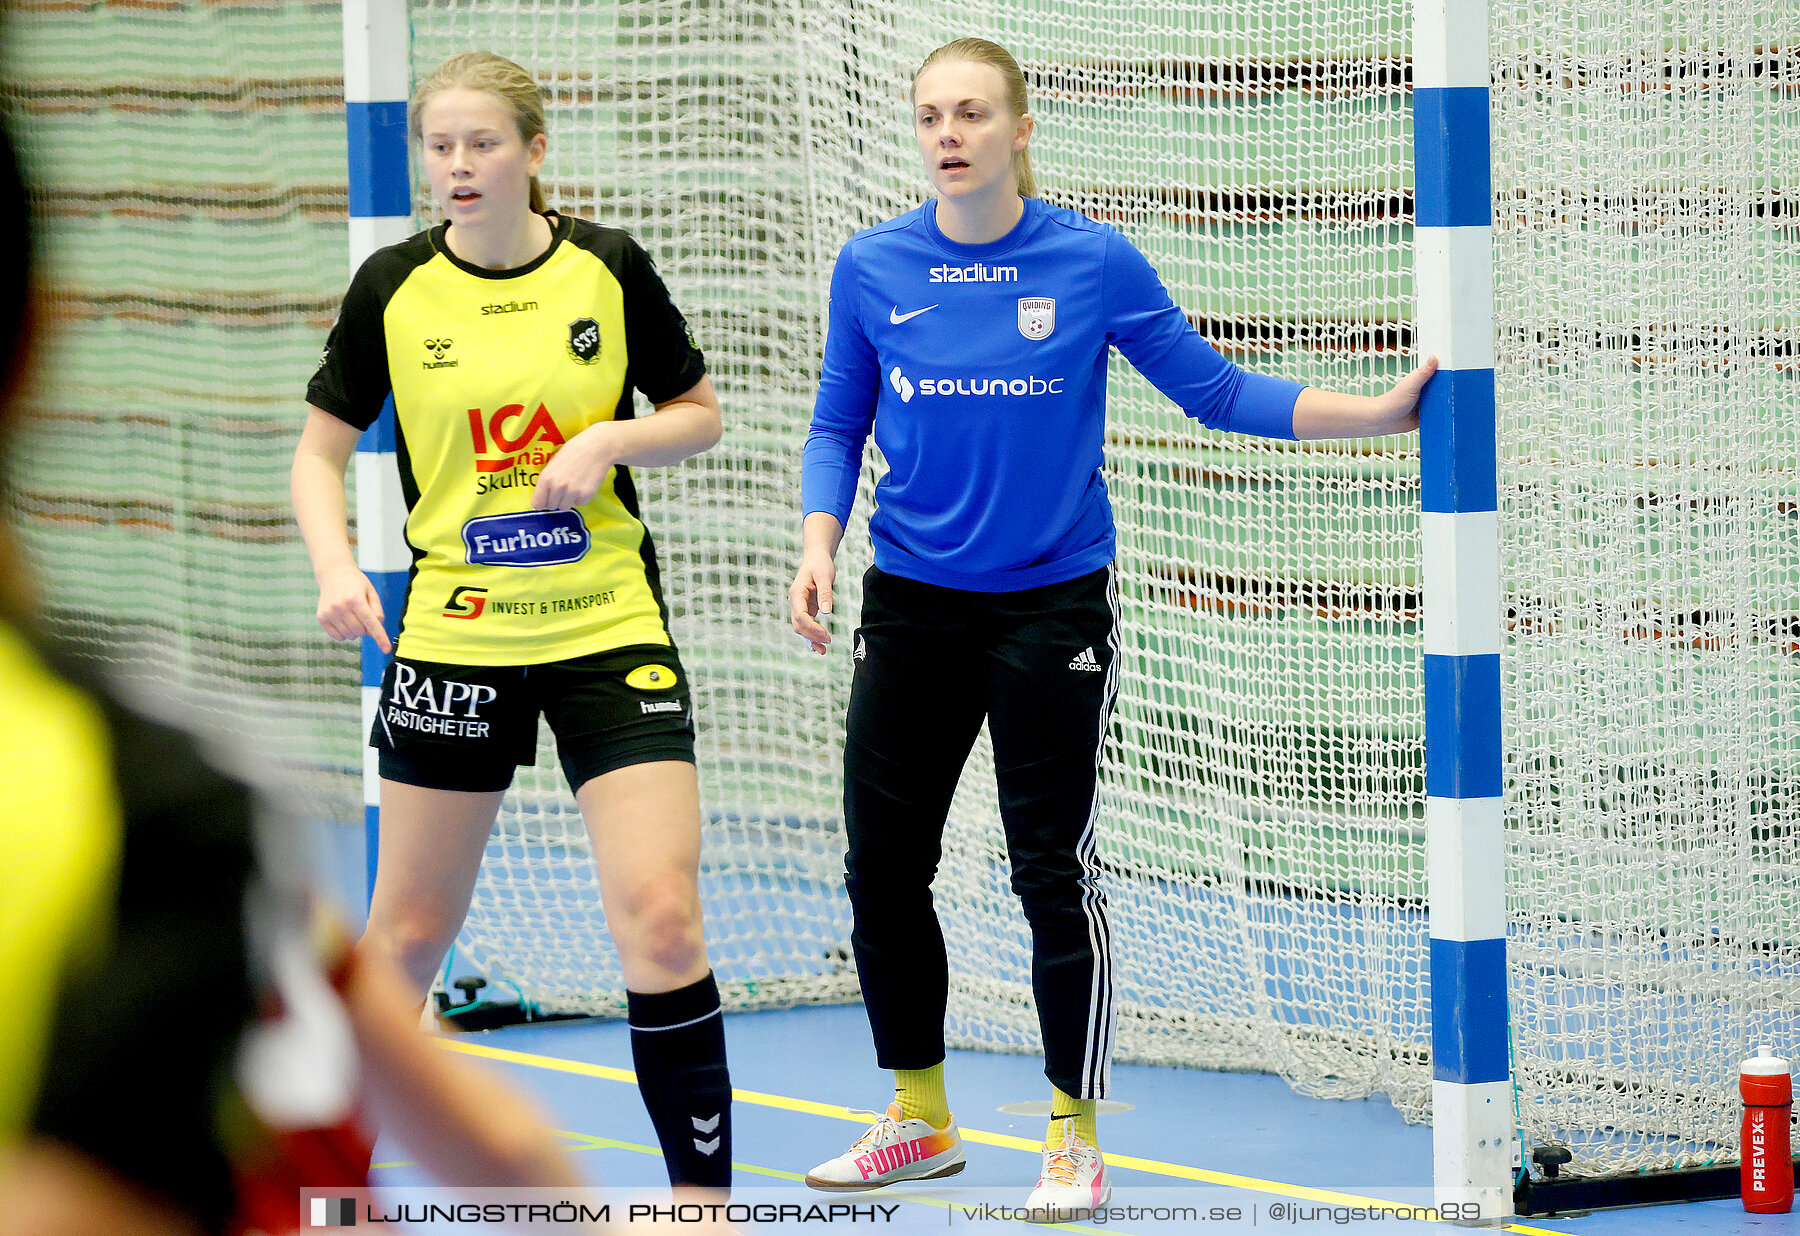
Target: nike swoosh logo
x=896, y=317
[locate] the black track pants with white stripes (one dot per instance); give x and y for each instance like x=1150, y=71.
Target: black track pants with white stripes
x=1040, y=665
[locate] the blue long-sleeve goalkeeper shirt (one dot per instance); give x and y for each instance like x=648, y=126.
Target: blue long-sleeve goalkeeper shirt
x=982, y=370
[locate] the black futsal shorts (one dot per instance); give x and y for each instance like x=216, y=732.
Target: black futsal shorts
x=466, y=727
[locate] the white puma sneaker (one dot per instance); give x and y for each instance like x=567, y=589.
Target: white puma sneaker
x=894, y=1148
x=1073, y=1183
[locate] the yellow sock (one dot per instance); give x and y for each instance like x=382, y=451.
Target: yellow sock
x=1064, y=1108
x=920, y=1094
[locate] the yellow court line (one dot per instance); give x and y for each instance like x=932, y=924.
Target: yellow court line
x=806, y=1106
x=589, y=1141
x=1179, y=1171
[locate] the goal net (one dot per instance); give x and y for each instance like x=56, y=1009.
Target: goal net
x=189, y=166
x=1646, y=275
x=1263, y=798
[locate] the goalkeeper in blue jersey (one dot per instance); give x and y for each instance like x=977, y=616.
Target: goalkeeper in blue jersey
x=971, y=335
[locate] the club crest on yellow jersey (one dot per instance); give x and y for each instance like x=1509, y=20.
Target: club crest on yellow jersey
x=584, y=340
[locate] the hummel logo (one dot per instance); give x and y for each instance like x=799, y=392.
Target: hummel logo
x=707, y=1126
x=896, y=317
x=862, y=650
x=1084, y=660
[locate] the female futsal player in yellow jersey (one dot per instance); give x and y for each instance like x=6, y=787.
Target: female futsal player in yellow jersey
x=510, y=338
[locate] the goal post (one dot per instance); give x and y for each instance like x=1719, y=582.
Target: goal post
x=1475, y=1147
x=377, y=85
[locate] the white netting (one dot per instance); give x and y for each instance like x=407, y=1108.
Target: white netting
x=679, y=123
x=1646, y=279
x=1264, y=796
x=190, y=165
x=1263, y=799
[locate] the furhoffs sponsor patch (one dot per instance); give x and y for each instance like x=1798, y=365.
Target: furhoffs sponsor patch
x=526, y=539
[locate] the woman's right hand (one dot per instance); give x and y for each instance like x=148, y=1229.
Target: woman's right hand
x=349, y=607
x=810, y=597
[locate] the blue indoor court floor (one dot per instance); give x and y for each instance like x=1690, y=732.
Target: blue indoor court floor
x=1193, y=1142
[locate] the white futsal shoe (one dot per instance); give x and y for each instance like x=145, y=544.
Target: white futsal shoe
x=1073, y=1183
x=894, y=1148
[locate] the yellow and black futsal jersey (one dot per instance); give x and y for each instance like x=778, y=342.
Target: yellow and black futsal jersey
x=491, y=372
x=124, y=866
x=59, y=855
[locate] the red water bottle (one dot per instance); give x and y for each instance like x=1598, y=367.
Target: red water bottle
x=1767, y=1174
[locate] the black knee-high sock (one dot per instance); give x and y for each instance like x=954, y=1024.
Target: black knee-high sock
x=678, y=1048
